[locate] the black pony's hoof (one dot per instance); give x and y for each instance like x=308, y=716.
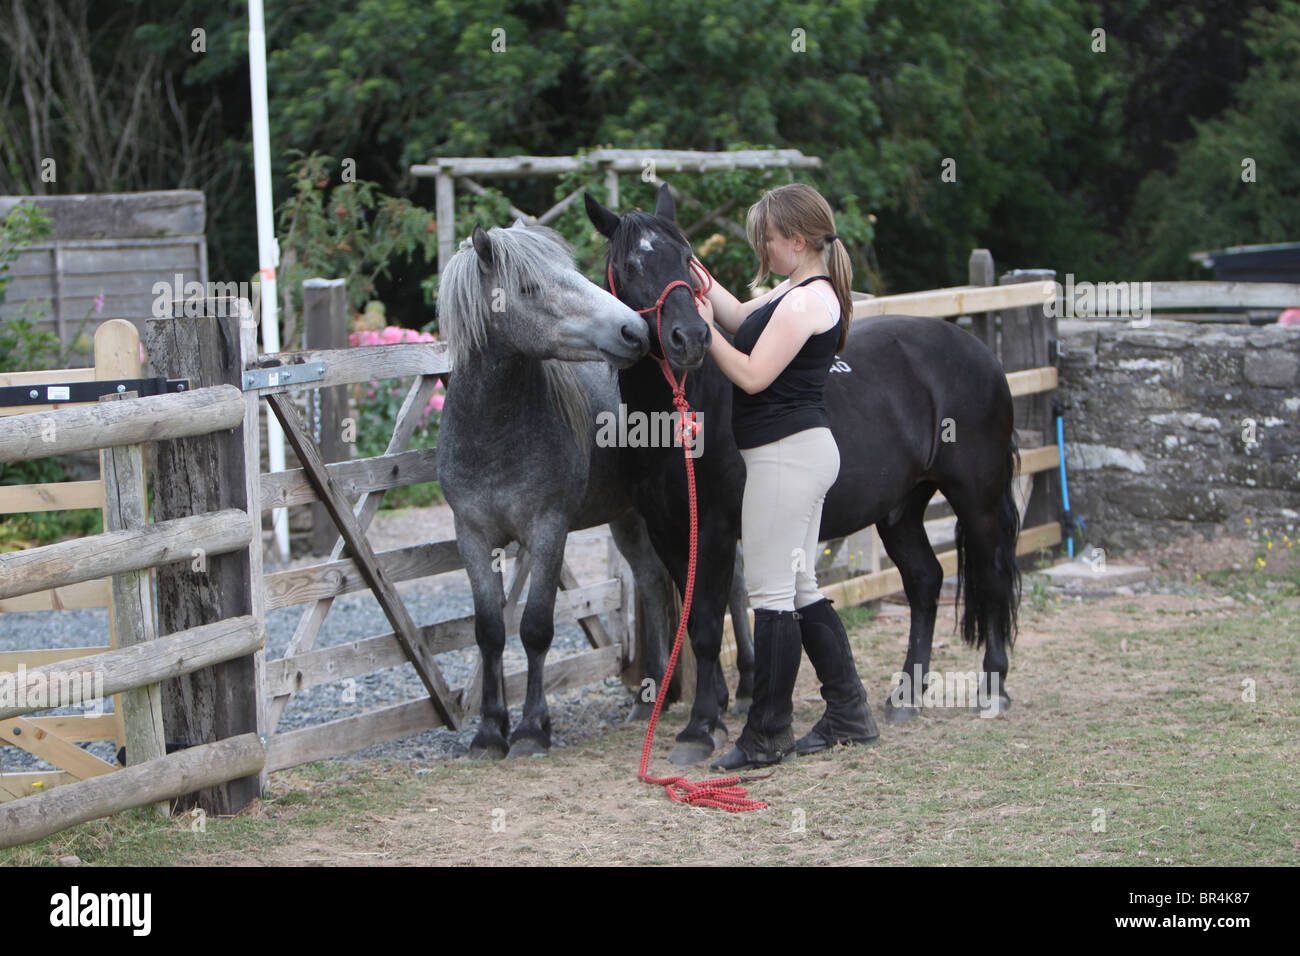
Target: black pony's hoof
x=686, y=752
x=900, y=715
x=992, y=707
x=488, y=745
x=740, y=706
x=527, y=747
x=737, y=759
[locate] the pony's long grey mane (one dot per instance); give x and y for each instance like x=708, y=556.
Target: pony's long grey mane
x=522, y=257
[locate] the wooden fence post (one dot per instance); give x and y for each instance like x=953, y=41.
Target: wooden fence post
x=983, y=324
x=132, y=595
x=325, y=326
x=193, y=476
x=1025, y=334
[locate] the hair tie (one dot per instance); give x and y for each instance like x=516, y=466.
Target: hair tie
x=831, y=238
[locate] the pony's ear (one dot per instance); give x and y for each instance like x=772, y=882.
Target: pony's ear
x=664, y=204
x=483, y=246
x=604, y=220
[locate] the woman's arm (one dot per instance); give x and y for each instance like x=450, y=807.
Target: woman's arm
x=785, y=334
x=728, y=311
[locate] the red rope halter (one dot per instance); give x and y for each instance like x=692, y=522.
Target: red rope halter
x=724, y=792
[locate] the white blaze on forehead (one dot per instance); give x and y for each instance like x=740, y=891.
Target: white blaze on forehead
x=647, y=244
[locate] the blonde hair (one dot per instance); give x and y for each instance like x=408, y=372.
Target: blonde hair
x=799, y=209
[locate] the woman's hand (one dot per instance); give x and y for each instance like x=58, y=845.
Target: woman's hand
x=705, y=308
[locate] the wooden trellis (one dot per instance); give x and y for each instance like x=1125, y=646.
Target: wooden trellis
x=448, y=170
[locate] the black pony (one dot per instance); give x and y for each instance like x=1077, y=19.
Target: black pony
x=916, y=406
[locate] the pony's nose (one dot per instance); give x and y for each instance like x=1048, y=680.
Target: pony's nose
x=683, y=342
x=635, y=335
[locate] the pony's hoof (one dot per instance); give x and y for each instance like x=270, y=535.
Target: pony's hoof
x=740, y=706
x=641, y=712
x=527, y=747
x=690, y=751
x=993, y=707
x=489, y=752
x=719, y=736
x=900, y=715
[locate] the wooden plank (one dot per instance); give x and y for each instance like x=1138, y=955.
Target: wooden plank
x=385, y=591
x=81, y=728
x=39, y=657
x=86, y=594
x=1030, y=381
x=169, y=212
x=591, y=625
x=334, y=578
x=1228, y=295
x=127, y=667
x=957, y=300
x=15, y=786
x=53, y=749
x=289, y=675
x=1035, y=460
x=246, y=349
x=154, y=418
x=22, y=821
x=116, y=552
x=363, y=364
x=282, y=489
x=304, y=635
x=51, y=496
x=349, y=734
x=57, y=376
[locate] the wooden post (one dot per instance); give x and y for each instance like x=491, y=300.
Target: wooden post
x=325, y=326
x=117, y=356
x=132, y=598
x=193, y=476
x=445, y=211
x=1025, y=333
x=611, y=189
x=983, y=324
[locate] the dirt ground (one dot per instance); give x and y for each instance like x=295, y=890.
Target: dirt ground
x=1117, y=702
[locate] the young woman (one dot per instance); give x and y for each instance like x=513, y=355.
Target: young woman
x=784, y=344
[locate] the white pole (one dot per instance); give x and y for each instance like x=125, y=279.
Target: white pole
x=268, y=252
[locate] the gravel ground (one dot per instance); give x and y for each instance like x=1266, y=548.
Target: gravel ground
x=575, y=714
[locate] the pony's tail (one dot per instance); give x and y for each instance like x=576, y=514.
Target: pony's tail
x=992, y=581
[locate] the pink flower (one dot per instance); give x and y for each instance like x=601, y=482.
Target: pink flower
x=370, y=393
x=99, y=303
x=438, y=401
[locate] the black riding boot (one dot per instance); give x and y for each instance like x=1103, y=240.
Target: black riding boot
x=848, y=716
x=768, y=735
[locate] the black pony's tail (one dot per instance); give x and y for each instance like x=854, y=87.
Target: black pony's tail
x=992, y=587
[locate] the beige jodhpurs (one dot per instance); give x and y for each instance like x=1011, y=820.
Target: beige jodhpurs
x=785, y=485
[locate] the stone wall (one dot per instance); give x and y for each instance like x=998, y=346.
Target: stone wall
x=1181, y=428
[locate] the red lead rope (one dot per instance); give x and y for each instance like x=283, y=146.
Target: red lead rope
x=723, y=793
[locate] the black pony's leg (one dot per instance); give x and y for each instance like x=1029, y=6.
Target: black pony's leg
x=738, y=604
x=537, y=630
x=490, y=635
x=705, y=731
x=656, y=593
x=908, y=546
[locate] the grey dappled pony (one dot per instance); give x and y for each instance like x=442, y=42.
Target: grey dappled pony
x=532, y=343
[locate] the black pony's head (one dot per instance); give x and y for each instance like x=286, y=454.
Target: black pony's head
x=647, y=253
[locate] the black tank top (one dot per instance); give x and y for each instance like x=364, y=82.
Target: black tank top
x=795, y=400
